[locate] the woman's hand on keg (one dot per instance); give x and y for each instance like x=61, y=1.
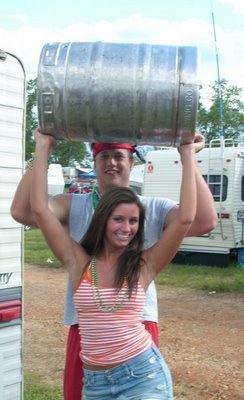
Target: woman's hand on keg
x=45, y=140
x=198, y=141
x=186, y=149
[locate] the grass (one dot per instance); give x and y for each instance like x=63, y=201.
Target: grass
x=199, y=277
x=36, y=389
x=36, y=250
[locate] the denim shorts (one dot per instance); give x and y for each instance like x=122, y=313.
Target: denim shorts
x=144, y=377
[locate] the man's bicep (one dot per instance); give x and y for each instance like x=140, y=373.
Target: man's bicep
x=171, y=215
x=60, y=206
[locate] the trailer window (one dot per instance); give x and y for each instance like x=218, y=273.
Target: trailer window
x=214, y=184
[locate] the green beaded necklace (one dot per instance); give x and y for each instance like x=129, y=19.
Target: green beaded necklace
x=97, y=296
x=95, y=197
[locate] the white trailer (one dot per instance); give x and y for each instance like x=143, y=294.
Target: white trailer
x=69, y=174
x=55, y=179
x=222, y=166
x=12, y=106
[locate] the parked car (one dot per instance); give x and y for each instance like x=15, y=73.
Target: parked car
x=80, y=187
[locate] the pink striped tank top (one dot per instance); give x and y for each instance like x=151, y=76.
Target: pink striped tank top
x=110, y=337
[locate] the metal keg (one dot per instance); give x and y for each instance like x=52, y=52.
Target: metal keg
x=115, y=92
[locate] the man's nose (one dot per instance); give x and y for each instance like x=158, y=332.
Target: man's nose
x=111, y=160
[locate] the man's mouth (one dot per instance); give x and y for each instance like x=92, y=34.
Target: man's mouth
x=111, y=171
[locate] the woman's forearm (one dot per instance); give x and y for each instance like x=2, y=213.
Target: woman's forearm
x=188, y=195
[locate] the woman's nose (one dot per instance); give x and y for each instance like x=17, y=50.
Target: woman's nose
x=126, y=226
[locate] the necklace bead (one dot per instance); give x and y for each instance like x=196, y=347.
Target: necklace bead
x=95, y=197
x=97, y=295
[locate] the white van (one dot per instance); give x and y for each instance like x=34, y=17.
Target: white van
x=12, y=115
x=222, y=166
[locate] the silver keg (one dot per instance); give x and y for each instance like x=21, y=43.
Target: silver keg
x=115, y=92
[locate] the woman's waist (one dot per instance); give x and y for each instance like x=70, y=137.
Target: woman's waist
x=100, y=367
x=109, y=353
x=111, y=369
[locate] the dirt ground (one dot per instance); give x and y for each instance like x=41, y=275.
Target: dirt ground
x=201, y=336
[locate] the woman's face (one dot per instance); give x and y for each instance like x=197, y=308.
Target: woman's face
x=122, y=225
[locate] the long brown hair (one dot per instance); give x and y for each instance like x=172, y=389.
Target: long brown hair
x=129, y=262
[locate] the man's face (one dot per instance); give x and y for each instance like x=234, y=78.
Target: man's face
x=113, y=168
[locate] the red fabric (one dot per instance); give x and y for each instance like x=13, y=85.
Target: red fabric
x=98, y=147
x=73, y=373
x=152, y=328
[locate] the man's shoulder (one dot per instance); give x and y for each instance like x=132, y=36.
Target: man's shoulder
x=148, y=200
x=67, y=199
x=81, y=198
x=157, y=204
x=60, y=200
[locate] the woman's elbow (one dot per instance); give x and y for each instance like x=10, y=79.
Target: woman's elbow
x=186, y=223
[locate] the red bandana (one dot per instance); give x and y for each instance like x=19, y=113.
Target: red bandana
x=98, y=147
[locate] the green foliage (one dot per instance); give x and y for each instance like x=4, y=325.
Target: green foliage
x=36, y=389
x=232, y=115
x=67, y=153
x=31, y=118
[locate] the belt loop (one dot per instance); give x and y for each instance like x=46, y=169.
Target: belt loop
x=128, y=370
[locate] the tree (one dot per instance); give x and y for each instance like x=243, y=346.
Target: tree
x=67, y=153
x=31, y=118
x=209, y=120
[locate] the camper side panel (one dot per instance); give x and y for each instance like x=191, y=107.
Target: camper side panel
x=219, y=170
x=238, y=198
x=163, y=176
x=12, y=91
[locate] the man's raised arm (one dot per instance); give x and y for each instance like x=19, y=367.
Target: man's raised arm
x=21, y=208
